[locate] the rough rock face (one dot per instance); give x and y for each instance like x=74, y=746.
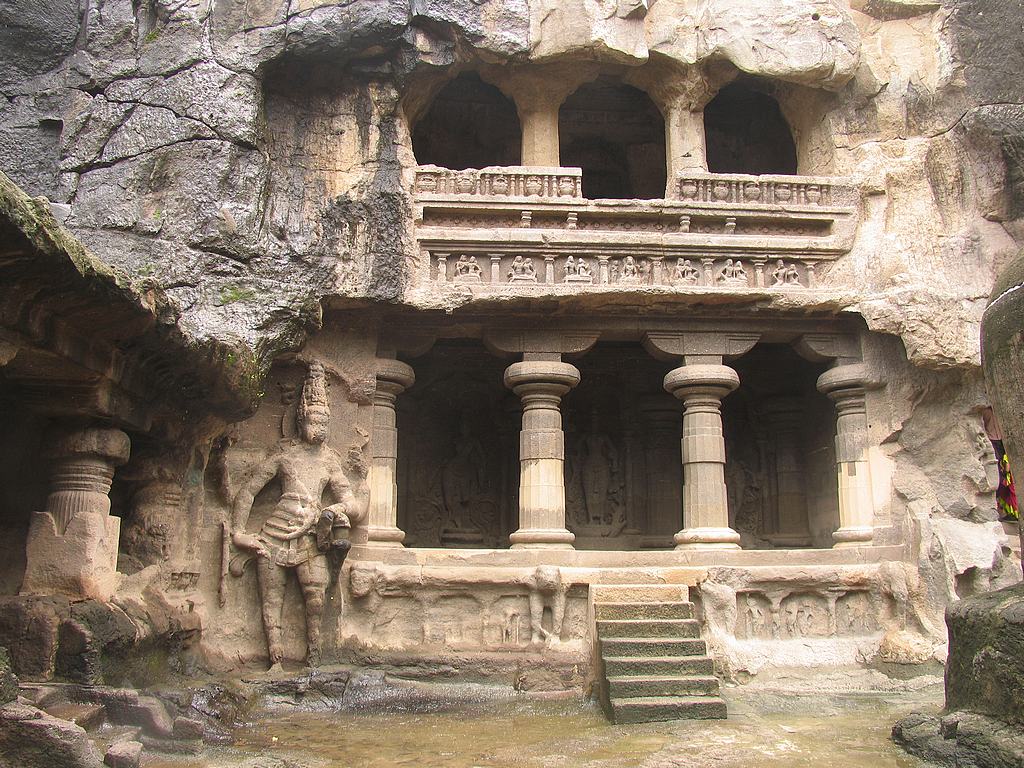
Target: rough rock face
x=984, y=684
x=984, y=670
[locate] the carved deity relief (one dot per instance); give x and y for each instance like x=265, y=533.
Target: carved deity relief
x=685, y=273
x=301, y=529
x=467, y=270
x=578, y=270
x=468, y=508
x=522, y=271
x=452, y=480
x=785, y=275
x=732, y=273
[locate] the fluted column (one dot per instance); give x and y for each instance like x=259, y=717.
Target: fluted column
x=845, y=387
x=541, y=385
x=72, y=547
x=701, y=387
x=393, y=378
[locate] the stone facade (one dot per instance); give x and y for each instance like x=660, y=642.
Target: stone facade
x=454, y=313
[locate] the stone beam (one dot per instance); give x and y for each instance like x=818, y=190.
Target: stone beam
x=537, y=344
x=826, y=347
x=699, y=347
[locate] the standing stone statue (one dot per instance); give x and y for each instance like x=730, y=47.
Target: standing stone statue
x=300, y=530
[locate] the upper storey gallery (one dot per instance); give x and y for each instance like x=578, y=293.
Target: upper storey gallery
x=571, y=176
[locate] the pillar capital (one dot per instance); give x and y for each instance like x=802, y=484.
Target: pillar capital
x=393, y=376
x=844, y=381
x=109, y=445
x=541, y=377
x=702, y=379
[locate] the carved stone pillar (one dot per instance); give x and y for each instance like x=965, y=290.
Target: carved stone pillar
x=684, y=141
x=783, y=417
x=541, y=384
x=538, y=116
x=701, y=387
x=393, y=378
x=844, y=385
x=72, y=546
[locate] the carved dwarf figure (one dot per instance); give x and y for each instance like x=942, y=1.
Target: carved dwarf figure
x=298, y=533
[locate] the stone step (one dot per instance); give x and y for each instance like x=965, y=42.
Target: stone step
x=609, y=628
x=661, y=610
x=88, y=716
x=633, y=687
x=647, y=710
x=653, y=646
x=640, y=593
x=653, y=666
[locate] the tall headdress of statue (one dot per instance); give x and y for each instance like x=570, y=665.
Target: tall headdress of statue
x=314, y=393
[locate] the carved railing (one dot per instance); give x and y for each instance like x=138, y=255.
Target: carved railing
x=756, y=192
x=529, y=229
x=500, y=182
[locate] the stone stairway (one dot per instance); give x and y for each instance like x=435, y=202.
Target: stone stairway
x=656, y=665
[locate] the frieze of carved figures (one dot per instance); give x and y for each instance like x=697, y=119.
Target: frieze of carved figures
x=464, y=605
x=732, y=273
x=582, y=272
x=808, y=614
x=785, y=276
x=300, y=532
x=522, y=270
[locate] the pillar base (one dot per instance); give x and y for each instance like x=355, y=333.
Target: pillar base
x=542, y=538
x=384, y=537
x=81, y=563
x=789, y=540
x=853, y=536
x=707, y=538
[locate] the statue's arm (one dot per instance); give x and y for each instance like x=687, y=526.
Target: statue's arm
x=242, y=506
x=355, y=508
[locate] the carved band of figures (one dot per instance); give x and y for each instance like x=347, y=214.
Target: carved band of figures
x=583, y=271
x=810, y=613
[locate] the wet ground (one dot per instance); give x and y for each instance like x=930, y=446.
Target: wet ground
x=494, y=729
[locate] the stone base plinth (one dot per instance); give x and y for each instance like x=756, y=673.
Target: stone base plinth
x=707, y=538
x=82, y=563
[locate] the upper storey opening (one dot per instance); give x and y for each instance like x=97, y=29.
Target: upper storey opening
x=616, y=134
x=746, y=133
x=470, y=124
